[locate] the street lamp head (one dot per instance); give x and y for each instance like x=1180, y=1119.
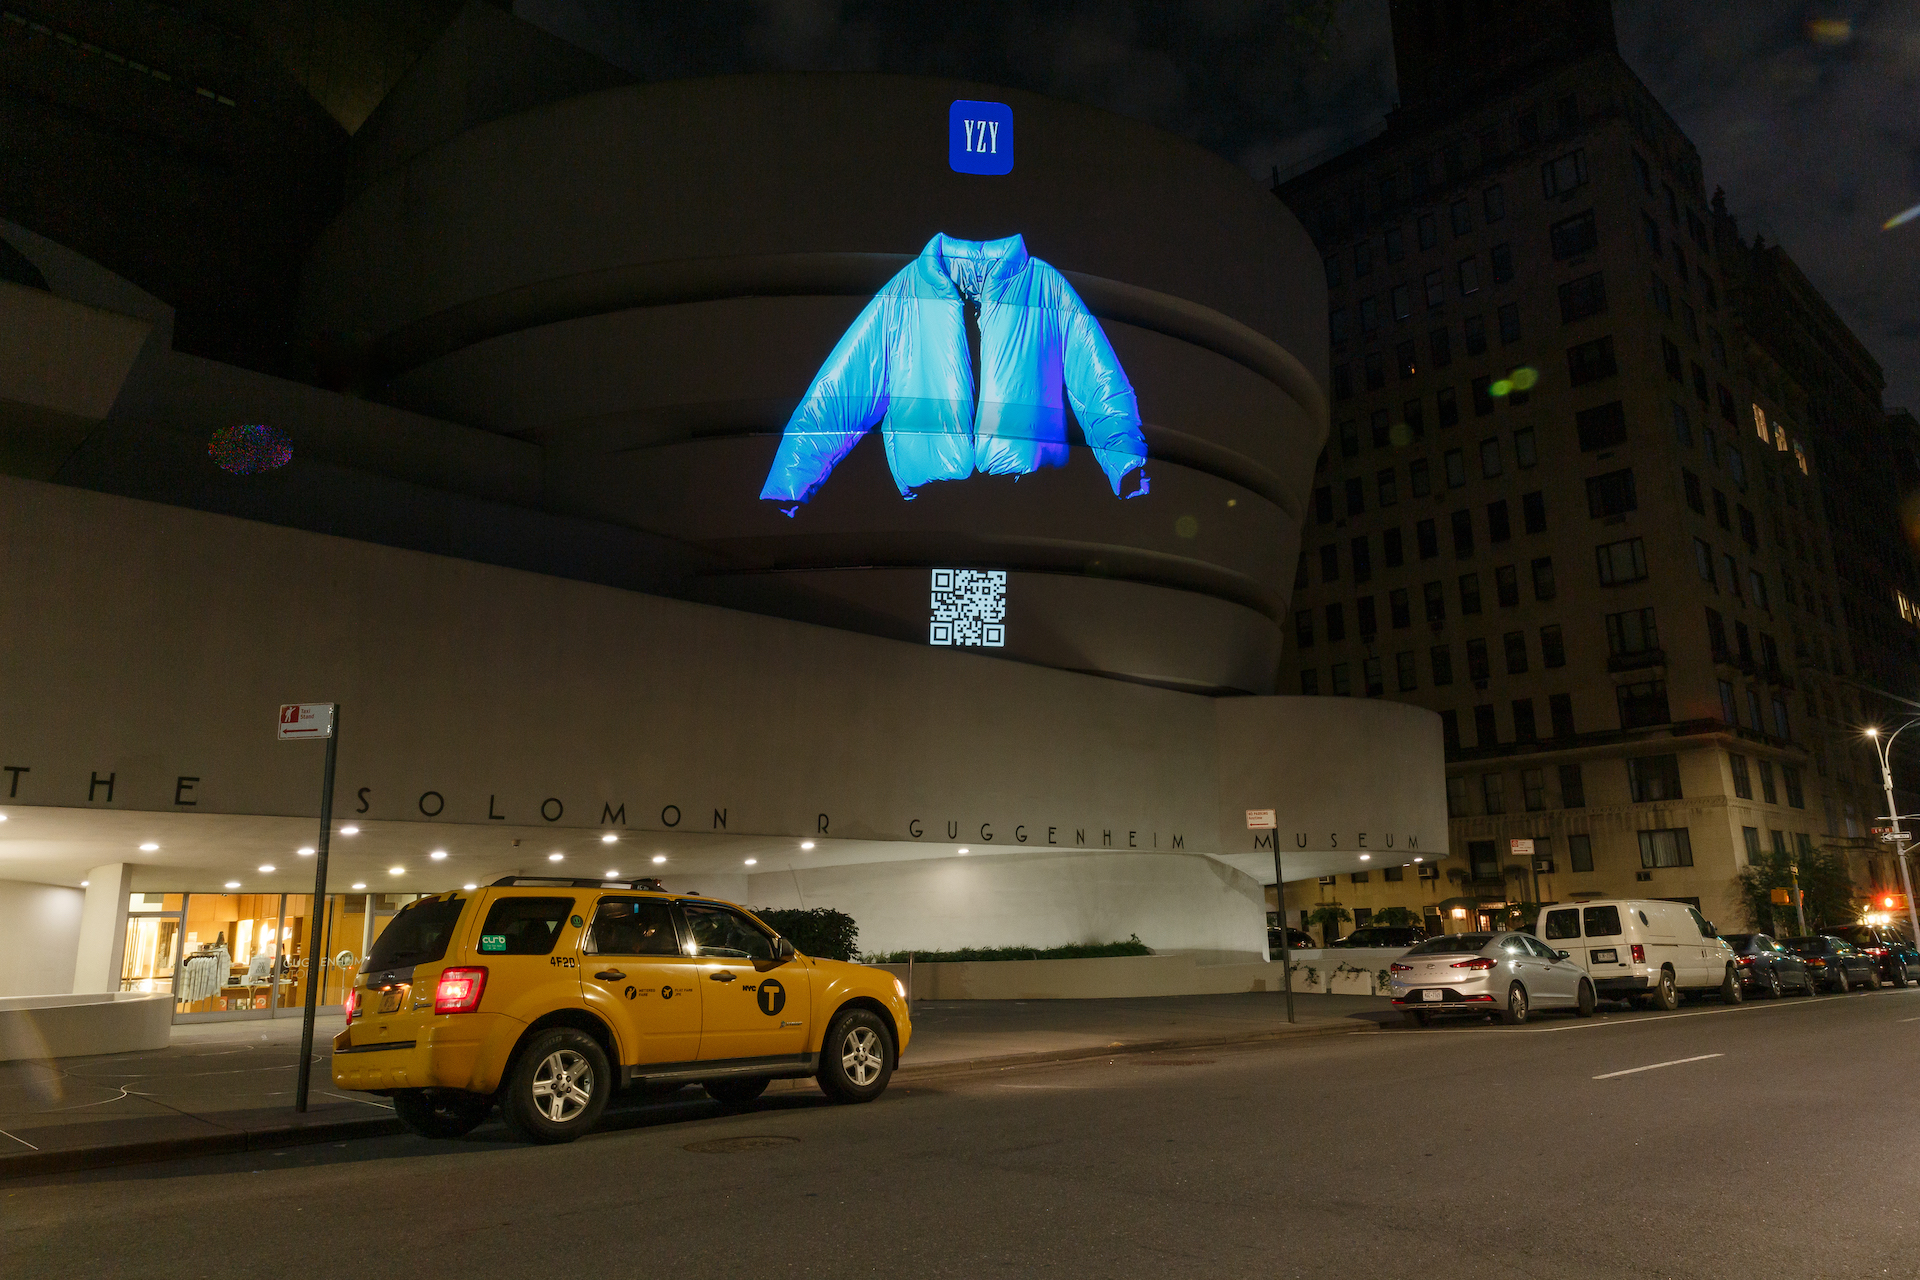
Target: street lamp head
x=1873, y=733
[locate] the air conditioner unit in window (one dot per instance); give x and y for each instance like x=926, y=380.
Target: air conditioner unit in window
x=1643, y=875
x=1328, y=879
x=1429, y=871
x=1543, y=865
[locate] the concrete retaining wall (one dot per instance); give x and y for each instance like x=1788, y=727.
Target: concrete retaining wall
x=77, y=1025
x=1332, y=972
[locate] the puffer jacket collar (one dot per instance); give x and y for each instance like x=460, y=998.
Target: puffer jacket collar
x=970, y=268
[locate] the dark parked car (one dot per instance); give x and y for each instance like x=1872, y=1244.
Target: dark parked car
x=1898, y=960
x=1838, y=966
x=1383, y=935
x=1766, y=967
x=1296, y=938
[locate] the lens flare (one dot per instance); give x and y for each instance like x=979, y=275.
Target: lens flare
x=249, y=450
x=1500, y=388
x=1901, y=218
x=1400, y=434
x=1829, y=31
x=1186, y=526
x=1525, y=378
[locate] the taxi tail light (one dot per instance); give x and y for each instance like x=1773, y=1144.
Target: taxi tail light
x=1876, y=951
x=1397, y=967
x=1746, y=960
x=1478, y=962
x=352, y=1003
x=459, y=990
x=1639, y=954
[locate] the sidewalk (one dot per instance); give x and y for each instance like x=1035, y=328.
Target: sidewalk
x=228, y=1086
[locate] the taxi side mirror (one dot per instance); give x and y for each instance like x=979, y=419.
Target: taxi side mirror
x=782, y=949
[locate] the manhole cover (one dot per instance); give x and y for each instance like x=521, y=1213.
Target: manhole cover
x=1175, y=1062
x=745, y=1142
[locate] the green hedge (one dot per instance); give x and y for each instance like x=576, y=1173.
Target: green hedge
x=822, y=933
x=1072, y=951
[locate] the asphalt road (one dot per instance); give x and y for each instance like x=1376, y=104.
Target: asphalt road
x=1476, y=1151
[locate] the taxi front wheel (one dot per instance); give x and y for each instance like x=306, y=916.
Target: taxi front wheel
x=856, y=1059
x=441, y=1113
x=558, y=1088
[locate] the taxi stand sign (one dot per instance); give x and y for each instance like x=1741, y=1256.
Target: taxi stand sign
x=301, y=720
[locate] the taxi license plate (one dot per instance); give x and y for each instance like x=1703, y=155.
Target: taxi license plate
x=1433, y=995
x=392, y=998
x=1609, y=956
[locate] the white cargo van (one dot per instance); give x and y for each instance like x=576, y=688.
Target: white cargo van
x=1644, y=951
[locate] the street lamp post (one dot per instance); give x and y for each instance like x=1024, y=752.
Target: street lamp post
x=1884, y=746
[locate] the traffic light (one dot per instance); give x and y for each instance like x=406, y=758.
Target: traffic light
x=1782, y=897
x=1893, y=902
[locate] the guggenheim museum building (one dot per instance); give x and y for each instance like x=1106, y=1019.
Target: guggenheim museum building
x=848, y=491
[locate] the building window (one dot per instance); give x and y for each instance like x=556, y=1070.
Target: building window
x=1310, y=683
x=1670, y=359
x=1653, y=778
x=1342, y=382
x=1401, y=299
x=1524, y=455
x=1622, y=562
x=1759, y=585
x=1493, y=786
x=1427, y=229
x=1349, y=439
x=1611, y=494
x=1371, y=671
x=1560, y=712
x=1543, y=585
x=1356, y=492
x=1668, y=847
x=1478, y=669
x=1682, y=425
x=1721, y=514
x=1376, y=370
x=1404, y=670
x=1509, y=316
x=1469, y=594
x=1533, y=508
x=1436, y=603
x=1716, y=635
x=1533, y=789
x=1506, y=585
x=1573, y=787
x=1415, y=419
x=1580, y=852
x=1365, y=618
x=1515, y=643
x=1501, y=259
x=1782, y=729
x=1749, y=531
x=1483, y=395
x=1591, y=362
x=1632, y=634
x=1475, y=328
x=1643, y=704
x=1751, y=836
x=1419, y=478
x=1447, y=401
x=1574, y=236
x=1523, y=726
x=1342, y=680
x=1462, y=534
x=1790, y=774
x=1742, y=780
x=1564, y=173
x=1427, y=538
x=1703, y=562
x=1397, y=608
x=1584, y=297
x=1330, y=563
x=1393, y=873
x=1456, y=465
x=1456, y=797
x=1601, y=427
x=1553, y=650
x=1469, y=272
x=1490, y=465
x=1396, y=244
x=1358, y=877
x=1303, y=629
x=1336, y=621
x=1499, y=525
x=1386, y=489
x=1393, y=547
x=1690, y=485
x=1362, y=554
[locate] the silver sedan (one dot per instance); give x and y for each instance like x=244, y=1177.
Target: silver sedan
x=1503, y=975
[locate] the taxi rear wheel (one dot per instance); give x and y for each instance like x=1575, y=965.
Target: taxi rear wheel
x=441, y=1113
x=558, y=1087
x=856, y=1059
x=736, y=1092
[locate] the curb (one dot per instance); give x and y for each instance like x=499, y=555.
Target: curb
x=230, y=1142
x=1120, y=1048
x=227, y=1142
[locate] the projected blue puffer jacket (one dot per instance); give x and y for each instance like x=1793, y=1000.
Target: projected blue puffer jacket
x=904, y=363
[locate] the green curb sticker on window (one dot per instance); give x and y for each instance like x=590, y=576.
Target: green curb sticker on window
x=493, y=942
x=577, y=922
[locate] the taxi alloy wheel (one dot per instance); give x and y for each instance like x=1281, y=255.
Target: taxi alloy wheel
x=856, y=1059
x=558, y=1087
x=441, y=1113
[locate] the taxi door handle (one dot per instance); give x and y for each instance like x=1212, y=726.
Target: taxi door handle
x=609, y=975
x=722, y=976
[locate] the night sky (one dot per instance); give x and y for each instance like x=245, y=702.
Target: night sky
x=1814, y=130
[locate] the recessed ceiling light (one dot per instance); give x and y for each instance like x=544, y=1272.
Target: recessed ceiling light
x=360, y=884
x=85, y=883
x=233, y=884
x=806, y=844
x=396, y=871
x=437, y=854
x=608, y=838
x=963, y=851
x=1366, y=857
x=305, y=853
x=265, y=867
x=1419, y=859
x=148, y=847
x=753, y=861
x=469, y=886
x=659, y=857
x=555, y=857
x=349, y=831
x=3, y=817
x=611, y=875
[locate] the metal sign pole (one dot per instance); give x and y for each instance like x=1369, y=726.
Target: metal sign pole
x=1286, y=943
x=315, y=937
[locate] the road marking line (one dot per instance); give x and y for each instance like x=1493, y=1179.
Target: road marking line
x=22, y=1141
x=1907, y=1019
x=1634, y=1071
x=1616, y=1020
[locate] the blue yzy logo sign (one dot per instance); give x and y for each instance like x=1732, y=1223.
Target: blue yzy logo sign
x=980, y=138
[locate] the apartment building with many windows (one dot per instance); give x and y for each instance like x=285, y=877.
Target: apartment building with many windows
x=1568, y=501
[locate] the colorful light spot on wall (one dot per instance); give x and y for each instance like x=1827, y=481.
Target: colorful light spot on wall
x=250, y=449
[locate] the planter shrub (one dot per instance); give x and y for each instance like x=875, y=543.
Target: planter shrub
x=823, y=933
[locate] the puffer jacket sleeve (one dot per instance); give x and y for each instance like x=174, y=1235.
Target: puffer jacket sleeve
x=847, y=397
x=1097, y=388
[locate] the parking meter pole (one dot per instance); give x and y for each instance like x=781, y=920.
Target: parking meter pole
x=316, y=938
x=1286, y=943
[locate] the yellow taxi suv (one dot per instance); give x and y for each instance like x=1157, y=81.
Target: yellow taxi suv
x=546, y=996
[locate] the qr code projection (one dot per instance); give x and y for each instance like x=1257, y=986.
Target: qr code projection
x=969, y=607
